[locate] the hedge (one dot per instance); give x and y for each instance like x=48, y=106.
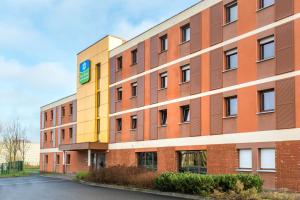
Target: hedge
x=205, y=184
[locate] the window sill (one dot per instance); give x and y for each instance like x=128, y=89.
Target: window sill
x=183, y=83
x=265, y=112
x=185, y=42
x=133, y=97
x=264, y=8
x=162, y=126
x=118, y=101
x=229, y=70
x=164, y=51
x=243, y=170
x=267, y=170
x=118, y=132
x=133, y=64
x=117, y=71
x=264, y=60
x=183, y=123
x=230, y=117
x=162, y=89
x=228, y=23
x=132, y=130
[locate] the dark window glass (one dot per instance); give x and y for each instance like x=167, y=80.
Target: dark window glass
x=98, y=67
x=98, y=126
x=52, y=114
x=193, y=161
x=57, y=159
x=119, y=63
x=51, y=135
x=45, y=137
x=134, y=89
x=164, y=43
x=185, y=74
x=266, y=3
x=119, y=94
x=231, y=106
x=68, y=161
x=185, y=113
x=231, y=12
x=163, y=80
x=63, y=110
x=46, y=159
x=119, y=124
x=71, y=109
x=185, y=33
x=98, y=99
x=267, y=100
x=134, y=57
x=63, y=134
x=267, y=48
x=45, y=115
x=163, y=117
x=231, y=59
x=71, y=132
x=147, y=160
x=133, y=122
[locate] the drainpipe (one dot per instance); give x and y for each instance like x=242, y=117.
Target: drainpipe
x=64, y=162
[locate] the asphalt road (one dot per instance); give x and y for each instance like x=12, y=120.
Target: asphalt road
x=43, y=188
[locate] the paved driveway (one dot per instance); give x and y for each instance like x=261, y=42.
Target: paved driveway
x=43, y=188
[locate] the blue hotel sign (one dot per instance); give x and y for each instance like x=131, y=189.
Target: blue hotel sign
x=85, y=71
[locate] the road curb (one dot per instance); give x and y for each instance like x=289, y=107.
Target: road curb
x=133, y=189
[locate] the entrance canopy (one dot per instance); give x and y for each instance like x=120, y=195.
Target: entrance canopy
x=83, y=146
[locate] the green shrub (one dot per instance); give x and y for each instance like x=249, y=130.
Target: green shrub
x=82, y=175
x=205, y=184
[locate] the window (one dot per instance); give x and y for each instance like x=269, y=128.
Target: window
x=98, y=99
x=52, y=115
x=231, y=106
x=46, y=159
x=57, y=159
x=98, y=67
x=134, y=57
x=51, y=135
x=267, y=48
x=185, y=33
x=164, y=43
x=63, y=134
x=266, y=3
x=231, y=12
x=45, y=137
x=119, y=63
x=68, y=160
x=185, y=74
x=164, y=80
x=119, y=124
x=267, y=158
x=63, y=111
x=147, y=160
x=71, y=109
x=45, y=115
x=231, y=59
x=71, y=132
x=163, y=117
x=134, y=89
x=185, y=113
x=245, y=159
x=267, y=100
x=119, y=94
x=98, y=126
x=193, y=161
x=133, y=122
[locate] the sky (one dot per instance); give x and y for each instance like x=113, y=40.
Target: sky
x=39, y=40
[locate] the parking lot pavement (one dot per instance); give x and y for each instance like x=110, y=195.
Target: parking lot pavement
x=37, y=187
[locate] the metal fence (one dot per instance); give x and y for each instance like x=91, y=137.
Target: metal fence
x=10, y=167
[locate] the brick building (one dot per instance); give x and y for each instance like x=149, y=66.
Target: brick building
x=212, y=90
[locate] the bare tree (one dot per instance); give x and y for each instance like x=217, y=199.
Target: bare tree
x=11, y=140
x=24, y=144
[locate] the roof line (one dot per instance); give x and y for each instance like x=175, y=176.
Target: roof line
x=58, y=100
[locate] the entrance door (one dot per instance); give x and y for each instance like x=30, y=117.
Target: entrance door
x=98, y=161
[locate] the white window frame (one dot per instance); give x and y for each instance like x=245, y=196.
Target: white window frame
x=267, y=158
x=245, y=159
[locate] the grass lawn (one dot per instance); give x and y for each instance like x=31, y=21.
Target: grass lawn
x=25, y=172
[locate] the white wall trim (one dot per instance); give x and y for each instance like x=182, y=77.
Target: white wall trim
x=59, y=102
x=50, y=150
x=203, y=51
x=60, y=126
x=189, y=12
x=212, y=92
x=236, y=138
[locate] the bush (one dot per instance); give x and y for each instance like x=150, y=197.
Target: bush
x=205, y=184
x=82, y=175
x=127, y=176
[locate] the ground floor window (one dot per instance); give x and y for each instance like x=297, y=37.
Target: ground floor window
x=147, y=160
x=193, y=161
x=68, y=160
